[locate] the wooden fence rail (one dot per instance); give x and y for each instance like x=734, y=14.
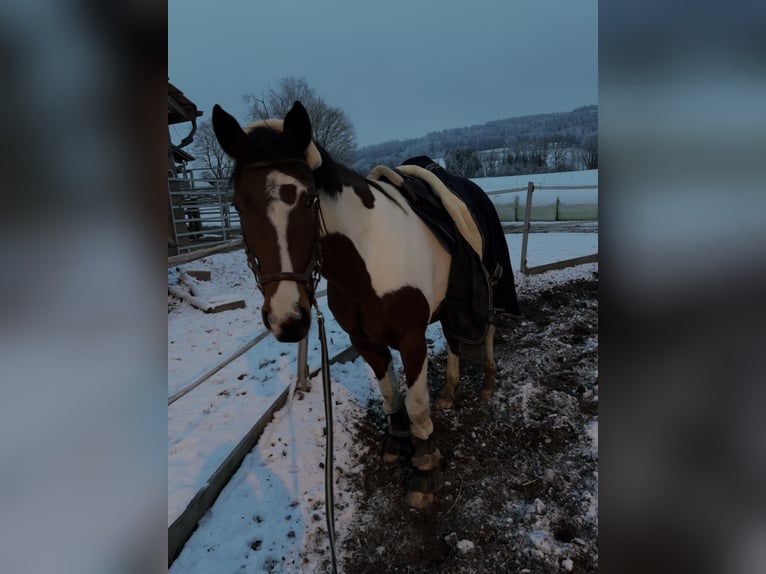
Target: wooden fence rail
x=524, y=240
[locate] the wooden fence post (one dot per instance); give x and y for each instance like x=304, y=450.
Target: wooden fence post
x=525, y=236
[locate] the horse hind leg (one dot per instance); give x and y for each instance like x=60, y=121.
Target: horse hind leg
x=446, y=398
x=490, y=367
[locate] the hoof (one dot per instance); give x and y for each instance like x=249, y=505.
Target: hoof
x=427, y=461
x=425, y=458
x=445, y=403
x=487, y=392
x=419, y=500
x=422, y=486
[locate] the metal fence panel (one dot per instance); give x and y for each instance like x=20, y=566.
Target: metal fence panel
x=201, y=214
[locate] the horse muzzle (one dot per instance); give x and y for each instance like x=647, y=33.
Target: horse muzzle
x=290, y=329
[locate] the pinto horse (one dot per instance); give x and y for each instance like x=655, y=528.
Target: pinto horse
x=303, y=214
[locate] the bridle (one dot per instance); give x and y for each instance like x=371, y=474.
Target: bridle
x=310, y=276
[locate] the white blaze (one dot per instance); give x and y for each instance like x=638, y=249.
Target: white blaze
x=285, y=299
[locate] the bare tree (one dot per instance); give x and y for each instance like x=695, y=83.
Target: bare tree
x=209, y=153
x=463, y=161
x=332, y=128
x=589, y=151
x=490, y=164
x=555, y=153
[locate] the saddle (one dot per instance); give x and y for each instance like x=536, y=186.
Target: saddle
x=465, y=222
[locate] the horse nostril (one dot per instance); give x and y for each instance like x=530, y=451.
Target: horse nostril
x=293, y=330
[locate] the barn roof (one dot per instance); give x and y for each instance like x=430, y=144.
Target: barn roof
x=180, y=108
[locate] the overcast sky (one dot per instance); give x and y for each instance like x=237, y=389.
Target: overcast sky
x=400, y=68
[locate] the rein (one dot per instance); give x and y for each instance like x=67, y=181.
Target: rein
x=309, y=277
x=329, y=481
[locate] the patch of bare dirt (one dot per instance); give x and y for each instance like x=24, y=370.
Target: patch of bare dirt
x=521, y=470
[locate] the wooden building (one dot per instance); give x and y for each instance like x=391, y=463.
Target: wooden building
x=181, y=110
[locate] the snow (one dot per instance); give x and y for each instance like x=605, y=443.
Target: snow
x=271, y=514
x=205, y=425
x=542, y=541
x=550, y=247
x=592, y=431
x=276, y=499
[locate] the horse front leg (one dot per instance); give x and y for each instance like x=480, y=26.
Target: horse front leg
x=378, y=356
x=396, y=443
x=426, y=478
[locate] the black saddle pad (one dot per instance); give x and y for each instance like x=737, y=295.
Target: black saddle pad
x=495, y=259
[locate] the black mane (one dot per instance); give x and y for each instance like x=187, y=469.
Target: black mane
x=263, y=144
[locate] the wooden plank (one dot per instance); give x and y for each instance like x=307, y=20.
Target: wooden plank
x=501, y=191
x=183, y=526
x=224, y=303
x=199, y=274
x=546, y=187
x=563, y=264
x=212, y=305
x=200, y=253
x=553, y=187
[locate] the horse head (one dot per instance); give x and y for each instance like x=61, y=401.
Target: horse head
x=276, y=198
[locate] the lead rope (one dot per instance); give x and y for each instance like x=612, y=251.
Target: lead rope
x=329, y=478
x=328, y=460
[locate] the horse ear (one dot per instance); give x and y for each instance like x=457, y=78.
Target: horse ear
x=297, y=127
x=229, y=133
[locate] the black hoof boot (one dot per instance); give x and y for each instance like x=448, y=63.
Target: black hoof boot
x=427, y=477
x=421, y=488
x=395, y=447
x=397, y=440
x=399, y=424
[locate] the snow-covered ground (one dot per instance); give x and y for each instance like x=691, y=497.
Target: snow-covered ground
x=274, y=505
x=582, y=177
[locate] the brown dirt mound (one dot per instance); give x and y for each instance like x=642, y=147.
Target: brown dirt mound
x=521, y=470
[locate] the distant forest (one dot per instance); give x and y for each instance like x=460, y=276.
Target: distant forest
x=541, y=143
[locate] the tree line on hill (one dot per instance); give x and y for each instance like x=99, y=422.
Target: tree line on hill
x=541, y=143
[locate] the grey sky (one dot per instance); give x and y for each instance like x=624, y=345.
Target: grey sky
x=400, y=68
